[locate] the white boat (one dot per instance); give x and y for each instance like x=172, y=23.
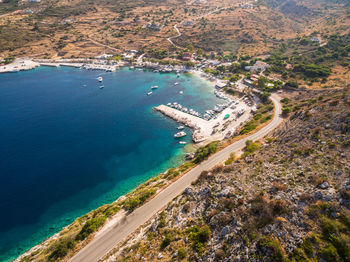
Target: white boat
x=154, y=87
x=182, y=142
x=180, y=127
x=178, y=74
x=180, y=134
x=181, y=92
x=169, y=104
x=101, y=87
x=149, y=93
x=176, y=83
x=100, y=79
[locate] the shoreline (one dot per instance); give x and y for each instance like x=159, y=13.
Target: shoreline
x=112, y=220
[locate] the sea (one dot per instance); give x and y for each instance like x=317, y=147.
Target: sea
x=67, y=146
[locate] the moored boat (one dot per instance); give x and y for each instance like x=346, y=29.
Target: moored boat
x=180, y=134
x=149, y=93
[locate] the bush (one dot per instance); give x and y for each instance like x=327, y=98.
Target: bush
x=265, y=119
x=203, y=152
x=285, y=100
x=286, y=111
x=61, y=249
x=291, y=84
x=250, y=147
x=90, y=227
x=199, y=236
x=274, y=245
x=166, y=241
x=131, y=203
x=181, y=253
x=248, y=127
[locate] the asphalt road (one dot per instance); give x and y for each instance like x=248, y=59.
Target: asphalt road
x=107, y=240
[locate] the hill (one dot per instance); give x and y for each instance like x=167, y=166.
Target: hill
x=286, y=199
x=83, y=28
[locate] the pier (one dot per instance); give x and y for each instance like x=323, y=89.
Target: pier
x=216, y=128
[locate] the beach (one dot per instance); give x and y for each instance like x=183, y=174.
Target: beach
x=20, y=64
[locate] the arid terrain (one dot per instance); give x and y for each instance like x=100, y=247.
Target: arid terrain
x=83, y=28
x=286, y=199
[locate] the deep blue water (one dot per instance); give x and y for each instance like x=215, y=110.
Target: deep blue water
x=67, y=148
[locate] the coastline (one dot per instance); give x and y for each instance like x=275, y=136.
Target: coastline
x=111, y=221
x=55, y=236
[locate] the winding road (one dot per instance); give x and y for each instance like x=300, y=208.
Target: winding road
x=178, y=31
x=108, y=239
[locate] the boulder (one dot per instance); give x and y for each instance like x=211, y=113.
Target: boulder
x=318, y=195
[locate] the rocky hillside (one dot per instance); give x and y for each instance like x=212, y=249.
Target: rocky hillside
x=287, y=198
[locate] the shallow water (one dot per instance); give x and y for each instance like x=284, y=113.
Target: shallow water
x=68, y=147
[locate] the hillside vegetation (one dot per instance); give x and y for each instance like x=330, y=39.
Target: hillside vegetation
x=286, y=199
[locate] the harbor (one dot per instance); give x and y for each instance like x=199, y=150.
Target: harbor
x=221, y=124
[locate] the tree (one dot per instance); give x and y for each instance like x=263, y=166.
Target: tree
x=189, y=64
x=286, y=111
x=262, y=82
x=264, y=96
x=291, y=84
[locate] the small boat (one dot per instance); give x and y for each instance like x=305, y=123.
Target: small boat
x=182, y=142
x=169, y=104
x=178, y=74
x=180, y=134
x=176, y=83
x=180, y=127
x=154, y=87
x=149, y=93
x=100, y=79
x=181, y=92
x=101, y=87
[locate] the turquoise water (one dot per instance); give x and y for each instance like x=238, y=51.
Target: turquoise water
x=68, y=147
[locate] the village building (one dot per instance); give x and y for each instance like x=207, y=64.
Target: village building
x=154, y=26
x=187, y=56
x=259, y=66
x=188, y=23
x=248, y=82
x=221, y=84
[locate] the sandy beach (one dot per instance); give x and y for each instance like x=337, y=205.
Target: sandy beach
x=20, y=64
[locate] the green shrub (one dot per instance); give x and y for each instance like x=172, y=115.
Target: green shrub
x=61, y=249
x=250, y=147
x=166, y=241
x=181, y=253
x=330, y=254
x=274, y=245
x=203, y=152
x=199, y=236
x=285, y=100
x=131, y=203
x=162, y=219
x=257, y=116
x=248, y=127
x=286, y=111
x=90, y=227
x=265, y=119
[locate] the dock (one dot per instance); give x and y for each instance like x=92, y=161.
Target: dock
x=209, y=130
